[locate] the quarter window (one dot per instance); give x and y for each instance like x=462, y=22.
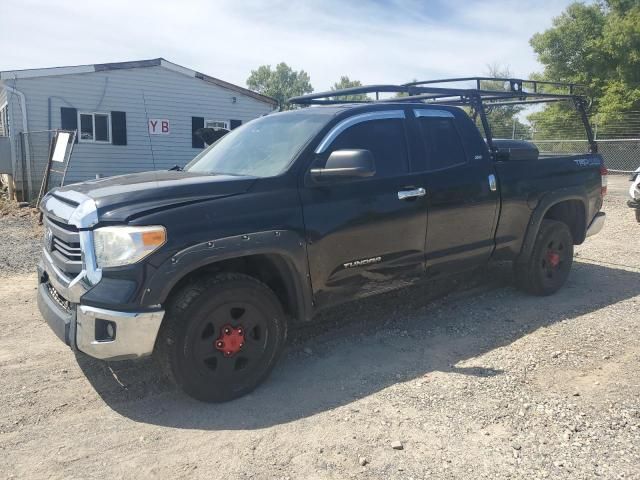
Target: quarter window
x=442, y=142
x=94, y=127
x=384, y=138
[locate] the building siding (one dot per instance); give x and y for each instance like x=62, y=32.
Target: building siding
x=143, y=93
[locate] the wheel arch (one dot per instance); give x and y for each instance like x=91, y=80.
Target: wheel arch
x=569, y=206
x=276, y=258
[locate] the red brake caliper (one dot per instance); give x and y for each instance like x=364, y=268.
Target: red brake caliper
x=553, y=258
x=230, y=341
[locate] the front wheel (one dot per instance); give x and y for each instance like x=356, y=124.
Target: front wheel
x=550, y=262
x=222, y=337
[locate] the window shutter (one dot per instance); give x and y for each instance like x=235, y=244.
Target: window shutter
x=69, y=119
x=196, y=123
x=234, y=123
x=119, y=128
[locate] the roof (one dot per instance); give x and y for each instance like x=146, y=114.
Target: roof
x=155, y=62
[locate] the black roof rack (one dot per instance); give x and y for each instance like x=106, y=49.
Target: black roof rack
x=519, y=92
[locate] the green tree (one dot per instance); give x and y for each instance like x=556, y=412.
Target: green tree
x=597, y=45
x=345, y=82
x=280, y=83
x=503, y=120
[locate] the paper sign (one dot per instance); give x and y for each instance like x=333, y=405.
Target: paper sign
x=62, y=140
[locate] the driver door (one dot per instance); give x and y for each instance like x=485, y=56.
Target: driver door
x=365, y=235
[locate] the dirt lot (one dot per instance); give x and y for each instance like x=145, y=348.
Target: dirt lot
x=485, y=383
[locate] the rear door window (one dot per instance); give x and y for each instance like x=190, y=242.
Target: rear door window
x=384, y=138
x=442, y=142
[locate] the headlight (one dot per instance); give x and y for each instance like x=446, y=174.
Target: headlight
x=124, y=245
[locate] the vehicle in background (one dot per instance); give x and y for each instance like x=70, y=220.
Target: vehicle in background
x=634, y=193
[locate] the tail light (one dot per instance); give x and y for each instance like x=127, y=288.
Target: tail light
x=603, y=178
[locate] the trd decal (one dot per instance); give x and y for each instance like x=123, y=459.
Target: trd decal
x=585, y=162
x=360, y=263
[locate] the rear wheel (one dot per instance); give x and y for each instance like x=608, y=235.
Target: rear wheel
x=550, y=262
x=222, y=337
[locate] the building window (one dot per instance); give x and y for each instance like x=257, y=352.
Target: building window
x=4, y=121
x=217, y=124
x=94, y=127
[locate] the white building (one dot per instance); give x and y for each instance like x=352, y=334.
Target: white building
x=130, y=116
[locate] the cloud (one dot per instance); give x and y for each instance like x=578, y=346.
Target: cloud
x=383, y=41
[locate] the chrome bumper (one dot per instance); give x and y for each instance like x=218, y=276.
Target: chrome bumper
x=135, y=333
x=596, y=224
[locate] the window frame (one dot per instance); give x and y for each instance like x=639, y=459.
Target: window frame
x=227, y=124
x=443, y=114
x=4, y=117
x=345, y=124
x=93, y=124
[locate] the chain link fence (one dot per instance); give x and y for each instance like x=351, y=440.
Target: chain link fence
x=618, y=139
x=620, y=155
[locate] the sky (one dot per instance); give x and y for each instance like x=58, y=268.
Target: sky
x=378, y=41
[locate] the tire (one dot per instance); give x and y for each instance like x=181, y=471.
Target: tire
x=548, y=267
x=638, y=215
x=221, y=337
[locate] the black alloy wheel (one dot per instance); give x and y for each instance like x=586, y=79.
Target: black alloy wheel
x=221, y=336
x=548, y=267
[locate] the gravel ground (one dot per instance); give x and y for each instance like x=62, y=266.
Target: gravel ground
x=20, y=242
x=484, y=383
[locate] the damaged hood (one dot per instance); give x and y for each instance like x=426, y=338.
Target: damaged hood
x=118, y=199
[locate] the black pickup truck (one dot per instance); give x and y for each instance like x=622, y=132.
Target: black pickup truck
x=206, y=267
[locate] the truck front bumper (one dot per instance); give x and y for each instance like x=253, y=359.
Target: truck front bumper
x=596, y=224
x=97, y=332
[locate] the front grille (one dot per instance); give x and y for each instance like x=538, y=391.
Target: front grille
x=63, y=243
x=69, y=250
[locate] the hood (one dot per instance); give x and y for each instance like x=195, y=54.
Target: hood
x=123, y=197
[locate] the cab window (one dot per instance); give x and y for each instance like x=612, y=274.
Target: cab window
x=442, y=142
x=384, y=138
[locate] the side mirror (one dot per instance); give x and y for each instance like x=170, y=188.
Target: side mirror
x=346, y=164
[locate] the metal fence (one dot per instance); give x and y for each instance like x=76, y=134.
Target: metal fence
x=33, y=150
x=621, y=155
x=618, y=138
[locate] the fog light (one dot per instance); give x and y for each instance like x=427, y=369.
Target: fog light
x=105, y=330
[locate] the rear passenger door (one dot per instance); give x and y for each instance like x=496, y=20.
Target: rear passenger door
x=361, y=237
x=461, y=194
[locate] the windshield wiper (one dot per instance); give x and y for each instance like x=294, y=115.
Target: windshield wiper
x=177, y=168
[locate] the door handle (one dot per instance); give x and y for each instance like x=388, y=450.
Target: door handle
x=413, y=193
x=492, y=183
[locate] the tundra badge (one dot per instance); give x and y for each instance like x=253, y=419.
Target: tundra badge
x=360, y=263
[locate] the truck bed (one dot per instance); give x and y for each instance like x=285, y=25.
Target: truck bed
x=525, y=183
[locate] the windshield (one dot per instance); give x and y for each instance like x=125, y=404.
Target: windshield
x=261, y=148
